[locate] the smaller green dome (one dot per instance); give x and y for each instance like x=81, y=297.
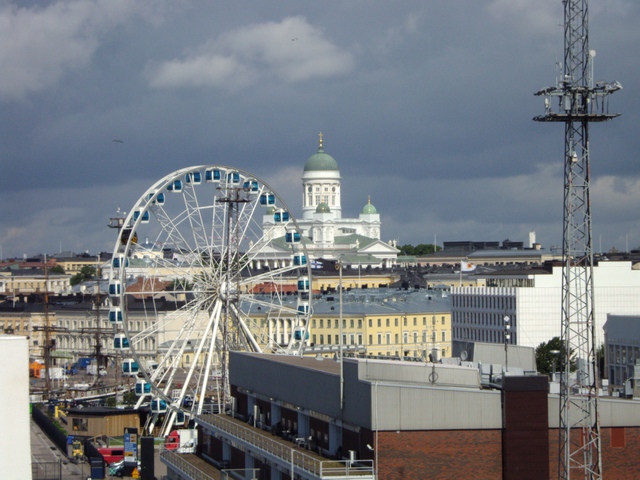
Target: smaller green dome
x=369, y=209
x=323, y=208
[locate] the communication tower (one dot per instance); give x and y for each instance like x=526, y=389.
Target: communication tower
x=577, y=102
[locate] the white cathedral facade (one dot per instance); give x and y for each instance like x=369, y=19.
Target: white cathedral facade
x=325, y=233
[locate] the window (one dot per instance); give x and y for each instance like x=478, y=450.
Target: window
x=313, y=323
x=351, y=323
x=359, y=323
x=321, y=323
x=370, y=339
x=321, y=339
x=80, y=424
x=370, y=323
x=388, y=323
x=415, y=321
x=442, y=320
x=444, y=336
x=379, y=322
x=337, y=339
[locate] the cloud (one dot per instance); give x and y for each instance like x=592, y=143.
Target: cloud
x=291, y=51
x=41, y=44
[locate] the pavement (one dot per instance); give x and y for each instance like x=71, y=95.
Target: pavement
x=49, y=463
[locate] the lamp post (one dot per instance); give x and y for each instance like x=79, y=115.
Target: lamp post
x=507, y=336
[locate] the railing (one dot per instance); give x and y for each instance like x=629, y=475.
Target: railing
x=289, y=455
x=190, y=470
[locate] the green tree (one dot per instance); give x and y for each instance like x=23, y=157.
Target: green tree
x=86, y=273
x=57, y=269
x=421, y=249
x=549, y=354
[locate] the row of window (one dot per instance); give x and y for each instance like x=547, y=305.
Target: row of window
x=382, y=339
x=493, y=302
x=405, y=322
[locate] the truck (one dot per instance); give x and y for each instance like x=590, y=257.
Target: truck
x=182, y=440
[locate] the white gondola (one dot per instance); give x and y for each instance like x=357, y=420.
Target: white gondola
x=120, y=261
x=292, y=237
x=299, y=333
x=158, y=405
x=130, y=367
x=299, y=259
x=303, y=307
x=193, y=177
x=212, y=175
x=145, y=216
x=142, y=387
x=267, y=199
x=250, y=185
x=115, y=287
x=303, y=284
x=233, y=177
x=115, y=315
x=120, y=341
x=281, y=216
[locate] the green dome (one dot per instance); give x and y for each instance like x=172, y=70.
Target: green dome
x=369, y=209
x=271, y=210
x=320, y=161
x=323, y=208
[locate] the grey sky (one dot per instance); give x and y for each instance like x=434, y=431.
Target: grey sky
x=426, y=106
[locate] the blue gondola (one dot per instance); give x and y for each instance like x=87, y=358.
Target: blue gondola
x=303, y=284
x=193, y=177
x=212, y=175
x=233, y=177
x=292, y=237
x=145, y=216
x=299, y=259
x=130, y=366
x=267, y=199
x=281, y=216
x=158, y=405
x=180, y=417
x=299, y=332
x=115, y=315
x=176, y=186
x=115, y=288
x=303, y=308
x=142, y=387
x=158, y=200
x=250, y=186
x=120, y=341
x=120, y=261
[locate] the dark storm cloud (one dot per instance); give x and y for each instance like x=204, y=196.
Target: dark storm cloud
x=426, y=106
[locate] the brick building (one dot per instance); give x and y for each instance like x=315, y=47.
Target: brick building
x=294, y=416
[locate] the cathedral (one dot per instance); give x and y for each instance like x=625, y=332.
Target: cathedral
x=325, y=233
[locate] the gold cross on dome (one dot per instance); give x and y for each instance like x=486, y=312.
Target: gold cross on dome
x=320, y=137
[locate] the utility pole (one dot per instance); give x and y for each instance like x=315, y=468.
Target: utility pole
x=576, y=102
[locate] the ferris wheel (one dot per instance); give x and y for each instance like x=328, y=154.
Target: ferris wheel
x=208, y=260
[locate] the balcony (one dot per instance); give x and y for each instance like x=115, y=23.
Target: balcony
x=284, y=454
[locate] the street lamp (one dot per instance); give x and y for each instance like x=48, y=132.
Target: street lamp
x=507, y=336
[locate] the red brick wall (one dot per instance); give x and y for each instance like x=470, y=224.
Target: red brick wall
x=439, y=454
x=618, y=462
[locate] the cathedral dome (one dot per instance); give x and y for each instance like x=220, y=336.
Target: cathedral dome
x=320, y=161
x=323, y=208
x=369, y=209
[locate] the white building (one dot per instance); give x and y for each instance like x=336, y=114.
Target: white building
x=15, y=446
x=532, y=301
x=326, y=233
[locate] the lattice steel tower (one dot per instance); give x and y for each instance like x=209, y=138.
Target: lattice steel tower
x=576, y=102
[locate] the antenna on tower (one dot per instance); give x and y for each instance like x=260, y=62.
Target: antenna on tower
x=576, y=102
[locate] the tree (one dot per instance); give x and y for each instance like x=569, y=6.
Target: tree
x=421, y=249
x=550, y=355
x=57, y=269
x=86, y=273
